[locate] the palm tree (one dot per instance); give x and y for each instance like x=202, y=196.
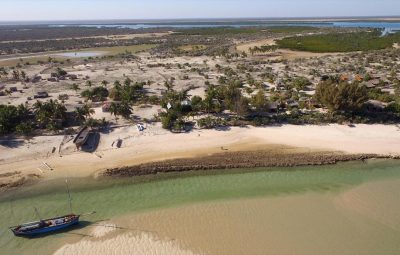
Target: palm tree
x=23, y=110
x=23, y=75
x=80, y=115
x=125, y=110
x=84, y=112
x=114, y=110
x=104, y=83
x=183, y=94
x=169, y=85
x=3, y=72
x=49, y=113
x=88, y=111
x=117, y=85
x=208, y=101
x=75, y=87
x=89, y=83
x=16, y=75
x=127, y=82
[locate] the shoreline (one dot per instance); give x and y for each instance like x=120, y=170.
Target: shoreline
x=130, y=206
x=30, y=161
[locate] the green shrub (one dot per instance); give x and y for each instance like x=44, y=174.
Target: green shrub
x=340, y=42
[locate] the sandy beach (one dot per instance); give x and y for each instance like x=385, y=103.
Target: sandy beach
x=49, y=157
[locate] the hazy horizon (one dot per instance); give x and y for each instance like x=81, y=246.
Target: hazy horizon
x=198, y=20
x=85, y=10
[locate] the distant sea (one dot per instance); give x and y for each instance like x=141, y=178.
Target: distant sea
x=384, y=24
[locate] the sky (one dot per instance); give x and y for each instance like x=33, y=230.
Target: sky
x=37, y=10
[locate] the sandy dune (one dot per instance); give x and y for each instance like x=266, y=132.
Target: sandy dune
x=280, y=53
x=245, y=47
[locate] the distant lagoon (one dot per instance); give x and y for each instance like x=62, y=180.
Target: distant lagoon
x=81, y=54
x=387, y=26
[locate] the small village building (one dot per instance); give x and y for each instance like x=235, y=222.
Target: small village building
x=63, y=97
x=106, y=107
x=41, y=94
x=369, y=84
x=358, y=78
x=36, y=78
x=186, y=103
x=13, y=89
x=273, y=107
x=375, y=105
x=280, y=86
x=53, y=79
x=72, y=77
x=292, y=104
x=324, y=77
x=375, y=82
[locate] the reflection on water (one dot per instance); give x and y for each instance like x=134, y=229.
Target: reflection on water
x=113, y=198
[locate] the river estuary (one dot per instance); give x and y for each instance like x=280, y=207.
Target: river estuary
x=349, y=208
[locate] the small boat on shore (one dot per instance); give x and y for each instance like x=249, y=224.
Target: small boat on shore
x=32, y=229
x=82, y=136
x=40, y=227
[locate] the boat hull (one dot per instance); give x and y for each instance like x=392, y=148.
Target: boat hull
x=46, y=230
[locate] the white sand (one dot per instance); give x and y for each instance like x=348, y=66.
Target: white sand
x=379, y=139
x=125, y=244
x=155, y=144
x=245, y=47
x=103, y=230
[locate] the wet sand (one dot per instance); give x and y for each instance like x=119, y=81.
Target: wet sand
x=351, y=222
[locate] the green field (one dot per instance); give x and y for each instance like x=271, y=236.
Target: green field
x=340, y=42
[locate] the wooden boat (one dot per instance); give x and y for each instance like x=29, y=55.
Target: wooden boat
x=36, y=228
x=40, y=227
x=82, y=136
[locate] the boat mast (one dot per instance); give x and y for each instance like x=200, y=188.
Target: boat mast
x=37, y=213
x=69, y=197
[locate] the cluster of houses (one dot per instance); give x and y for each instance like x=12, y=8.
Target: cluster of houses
x=306, y=98
x=55, y=77
x=4, y=90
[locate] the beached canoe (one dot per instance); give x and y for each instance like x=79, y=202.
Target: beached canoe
x=82, y=136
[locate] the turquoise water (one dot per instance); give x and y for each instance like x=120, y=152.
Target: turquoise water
x=390, y=26
x=117, y=197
